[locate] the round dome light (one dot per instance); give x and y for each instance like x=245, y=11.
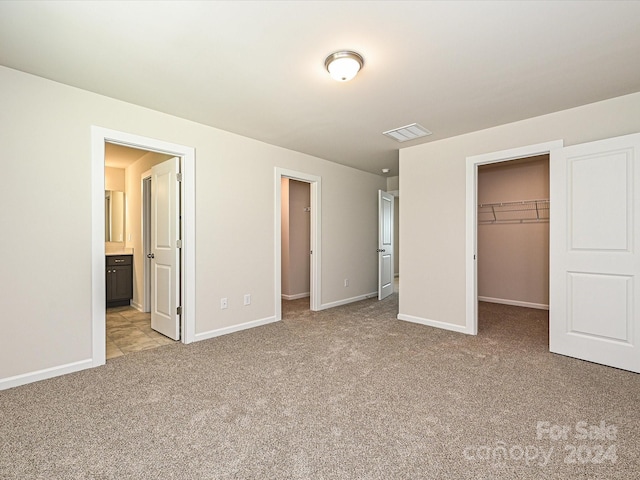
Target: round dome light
x=343, y=65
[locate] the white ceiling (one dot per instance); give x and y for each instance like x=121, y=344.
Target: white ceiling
x=257, y=68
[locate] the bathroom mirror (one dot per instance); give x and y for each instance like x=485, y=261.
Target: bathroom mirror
x=114, y=216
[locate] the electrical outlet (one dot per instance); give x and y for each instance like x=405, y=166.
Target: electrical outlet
x=346, y=282
x=247, y=299
x=223, y=303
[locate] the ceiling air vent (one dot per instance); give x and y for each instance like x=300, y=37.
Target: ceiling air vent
x=408, y=132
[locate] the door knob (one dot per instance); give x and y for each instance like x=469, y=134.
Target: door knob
x=150, y=255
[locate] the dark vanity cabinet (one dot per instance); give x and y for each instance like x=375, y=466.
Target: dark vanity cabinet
x=119, y=280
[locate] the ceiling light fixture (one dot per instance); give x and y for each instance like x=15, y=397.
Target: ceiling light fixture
x=344, y=65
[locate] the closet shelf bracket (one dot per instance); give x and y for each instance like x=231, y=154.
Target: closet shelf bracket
x=526, y=211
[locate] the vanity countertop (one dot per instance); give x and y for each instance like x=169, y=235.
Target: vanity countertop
x=119, y=251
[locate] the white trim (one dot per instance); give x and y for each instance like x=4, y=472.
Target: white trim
x=234, y=328
x=315, y=240
x=472, y=224
x=100, y=136
x=38, y=375
x=136, y=305
x=515, y=303
x=297, y=296
x=346, y=301
x=145, y=208
x=98, y=283
x=188, y=245
x=432, y=323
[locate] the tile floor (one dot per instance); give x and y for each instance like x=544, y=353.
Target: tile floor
x=129, y=330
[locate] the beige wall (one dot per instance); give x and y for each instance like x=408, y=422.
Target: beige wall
x=433, y=185
x=114, y=179
x=513, y=258
x=393, y=183
x=296, y=225
x=284, y=248
x=50, y=305
x=393, y=187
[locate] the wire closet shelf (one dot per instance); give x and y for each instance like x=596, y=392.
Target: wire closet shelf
x=526, y=211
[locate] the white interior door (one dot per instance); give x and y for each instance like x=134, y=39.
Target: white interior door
x=385, y=244
x=165, y=263
x=595, y=252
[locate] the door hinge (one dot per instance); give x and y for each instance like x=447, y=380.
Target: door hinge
x=179, y=176
x=178, y=243
x=179, y=310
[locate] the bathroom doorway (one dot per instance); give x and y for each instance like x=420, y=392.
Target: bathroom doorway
x=131, y=325
x=100, y=138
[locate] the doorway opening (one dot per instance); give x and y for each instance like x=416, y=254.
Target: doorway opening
x=100, y=138
x=513, y=247
x=296, y=247
x=473, y=215
x=306, y=215
x=130, y=324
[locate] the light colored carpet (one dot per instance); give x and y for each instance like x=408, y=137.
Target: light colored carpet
x=348, y=393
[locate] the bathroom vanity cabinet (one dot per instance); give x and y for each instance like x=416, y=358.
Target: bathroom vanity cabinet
x=119, y=270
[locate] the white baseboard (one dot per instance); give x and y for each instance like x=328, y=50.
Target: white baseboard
x=296, y=296
x=346, y=301
x=136, y=305
x=433, y=323
x=36, y=376
x=234, y=328
x=515, y=303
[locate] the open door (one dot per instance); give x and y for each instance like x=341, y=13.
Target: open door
x=165, y=255
x=385, y=244
x=595, y=252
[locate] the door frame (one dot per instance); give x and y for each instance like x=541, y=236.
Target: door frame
x=145, y=204
x=472, y=164
x=100, y=136
x=315, y=183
